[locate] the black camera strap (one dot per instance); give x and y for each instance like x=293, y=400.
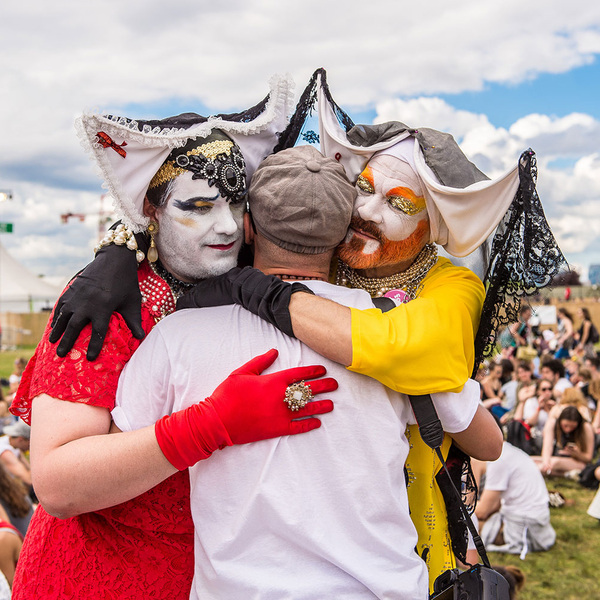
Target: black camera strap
x=432, y=433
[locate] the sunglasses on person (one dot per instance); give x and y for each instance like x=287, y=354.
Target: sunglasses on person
x=545, y=389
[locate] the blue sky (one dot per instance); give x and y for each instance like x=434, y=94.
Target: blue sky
x=500, y=76
x=550, y=94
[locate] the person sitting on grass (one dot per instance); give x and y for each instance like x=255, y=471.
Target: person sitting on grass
x=568, y=445
x=11, y=542
x=15, y=500
x=554, y=370
x=491, y=386
x=13, y=446
x=513, y=510
x=532, y=412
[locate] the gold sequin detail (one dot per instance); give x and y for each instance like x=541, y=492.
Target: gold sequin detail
x=405, y=205
x=364, y=184
x=170, y=170
x=167, y=172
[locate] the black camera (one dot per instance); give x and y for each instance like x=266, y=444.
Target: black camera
x=478, y=583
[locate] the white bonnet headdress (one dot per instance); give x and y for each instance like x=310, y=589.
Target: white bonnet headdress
x=129, y=152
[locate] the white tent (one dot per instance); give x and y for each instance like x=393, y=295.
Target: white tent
x=20, y=290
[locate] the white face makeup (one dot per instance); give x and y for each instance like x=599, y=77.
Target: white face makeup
x=390, y=222
x=200, y=233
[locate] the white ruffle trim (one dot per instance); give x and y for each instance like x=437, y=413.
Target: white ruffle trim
x=281, y=102
x=122, y=204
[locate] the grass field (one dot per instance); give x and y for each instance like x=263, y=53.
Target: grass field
x=568, y=571
x=7, y=360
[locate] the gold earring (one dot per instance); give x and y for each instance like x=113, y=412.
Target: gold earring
x=152, y=251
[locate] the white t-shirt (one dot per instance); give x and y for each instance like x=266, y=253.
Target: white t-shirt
x=523, y=488
x=319, y=515
x=562, y=384
x=5, y=445
x=530, y=408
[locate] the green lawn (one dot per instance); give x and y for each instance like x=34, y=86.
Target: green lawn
x=7, y=360
x=570, y=569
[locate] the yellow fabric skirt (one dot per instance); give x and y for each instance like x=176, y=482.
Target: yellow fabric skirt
x=427, y=506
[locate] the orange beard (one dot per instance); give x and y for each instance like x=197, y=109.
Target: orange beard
x=388, y=252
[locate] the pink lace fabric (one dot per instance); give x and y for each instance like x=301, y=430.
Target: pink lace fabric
x=142, y=548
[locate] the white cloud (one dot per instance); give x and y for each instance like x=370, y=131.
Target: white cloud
x=430, y=112
x=66, y=57
x=40, y=239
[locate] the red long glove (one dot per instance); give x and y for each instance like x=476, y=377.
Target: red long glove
x=246, y=407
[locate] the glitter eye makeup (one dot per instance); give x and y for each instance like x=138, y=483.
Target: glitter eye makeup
x=405, y=205
x=365, y=185
x=405, y=200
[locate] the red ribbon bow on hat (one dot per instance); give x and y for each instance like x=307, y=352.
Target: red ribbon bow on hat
x=107, y=142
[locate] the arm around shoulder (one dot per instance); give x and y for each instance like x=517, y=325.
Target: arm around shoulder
x=323, y=325
x=398, y=347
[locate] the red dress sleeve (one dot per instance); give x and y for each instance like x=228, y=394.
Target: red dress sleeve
x=76, y=379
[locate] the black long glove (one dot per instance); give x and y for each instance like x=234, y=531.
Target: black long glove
x=108, y=284
x=264, y=295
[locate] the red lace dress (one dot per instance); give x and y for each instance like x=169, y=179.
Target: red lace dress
x=142, y=548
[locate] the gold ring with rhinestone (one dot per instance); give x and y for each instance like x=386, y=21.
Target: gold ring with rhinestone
x=297, y=395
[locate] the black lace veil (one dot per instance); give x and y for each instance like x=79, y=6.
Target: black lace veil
x=525, y=258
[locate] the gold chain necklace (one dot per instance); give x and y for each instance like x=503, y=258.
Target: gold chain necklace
x=409, y=280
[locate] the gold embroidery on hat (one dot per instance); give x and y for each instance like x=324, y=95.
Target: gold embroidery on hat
x=169, y=170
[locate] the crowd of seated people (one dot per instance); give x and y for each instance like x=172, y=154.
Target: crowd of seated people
x=546, y=400
x=548, y=408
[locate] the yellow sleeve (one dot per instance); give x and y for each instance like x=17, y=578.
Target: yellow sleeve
x=426, y=345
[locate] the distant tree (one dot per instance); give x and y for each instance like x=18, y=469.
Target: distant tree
x=570, y=277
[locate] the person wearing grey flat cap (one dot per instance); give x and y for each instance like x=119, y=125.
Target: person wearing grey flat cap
x=295, y=502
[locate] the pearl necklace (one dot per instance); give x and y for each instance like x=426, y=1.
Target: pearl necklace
x=409, y=280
